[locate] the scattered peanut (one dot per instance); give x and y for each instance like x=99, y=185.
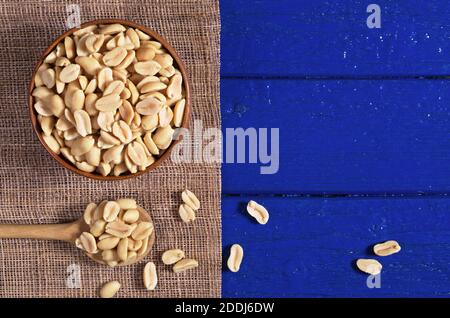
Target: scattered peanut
x=259, y=212
x=386, y=248
x=369, y=266
x=235, y=258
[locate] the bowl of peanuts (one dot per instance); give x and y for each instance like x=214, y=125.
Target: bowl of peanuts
x=106, y=99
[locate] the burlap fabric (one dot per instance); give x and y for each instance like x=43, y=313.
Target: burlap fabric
x=35, y=189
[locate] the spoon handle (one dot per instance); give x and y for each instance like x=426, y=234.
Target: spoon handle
x=62, y=232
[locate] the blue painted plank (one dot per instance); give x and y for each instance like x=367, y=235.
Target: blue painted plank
x=309, y=246
x=331, y=38
x=344, y=136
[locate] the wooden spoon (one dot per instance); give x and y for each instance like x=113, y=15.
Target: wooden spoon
x=68, y=232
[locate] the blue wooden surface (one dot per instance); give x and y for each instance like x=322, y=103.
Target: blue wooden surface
x=363, y=115
x=330, y=38
x=309, y=246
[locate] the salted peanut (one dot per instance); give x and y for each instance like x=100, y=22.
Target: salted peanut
x=88, y=213
x=387, y=248
x=60, y=50
x=153, y=87
x=91, y=87
x=115, y=56
x=107, y=139
x=87, y=241
x=69, y=73
x=259, y=212
x=147, y=68
x=149, y=106
x=127, y=204
x=62, y=124
x=235, y=258
x=83, y=82
x=142, y=36
x=132, y=256
x=126, y=62
x=165, y=60
x=122, y=131
x=136, y=153
x=144, y=247
x=104, y=169
x=52, y=143
x=163, y=137
x=118, y=229
x=104, y=236
x=190, y=199
x=150, y=276
x=150, y=123
x=133, y=168
x=122, y=249
x=83, y=122
x=66, y=153
x=69, y=46
x=98, y=212
x=62, y=61
x=175, y=86
x=84, y=166
x=146, y=80
x=71, y=134
x=89, y=64
x=47, y=125
x=41, y=92
x=98, y=228
x=86, y=30
x=59, y=85
x=114, y=155
x=133, y=37
x=145, y=54
x=55, y=104
x=69, y=116
x=178, y=112
x=150, y=144
x=165, y=116
x=134, y=245
x=108, y=103
x=114, y=87
x=112, y=29
x=168, y=71
x=142, y=231
x=126, y=112
x=59, y=139
x=82, y=145
x=108, y=243
x=172, y=256
x=51, y=58
x=74, y=99
x=81, y=46
x=89, y=104
x=93, y=156
x=104, y=77
x=110, y=255
x=184, y=265
x=110, y=289
x=42, y=109
x=111, y=211
x=187, y=214
x=369, y=266
x=94, y=42
x=48, y=77
x=133, y=90
x=119, y=169
x=105, y=120
x=131, y=216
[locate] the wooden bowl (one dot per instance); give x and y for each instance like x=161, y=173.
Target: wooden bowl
x=177, y=62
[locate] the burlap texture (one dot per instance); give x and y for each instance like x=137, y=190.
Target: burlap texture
x=36, y=189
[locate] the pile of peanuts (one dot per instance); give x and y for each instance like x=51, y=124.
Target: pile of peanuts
x=108, y=99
